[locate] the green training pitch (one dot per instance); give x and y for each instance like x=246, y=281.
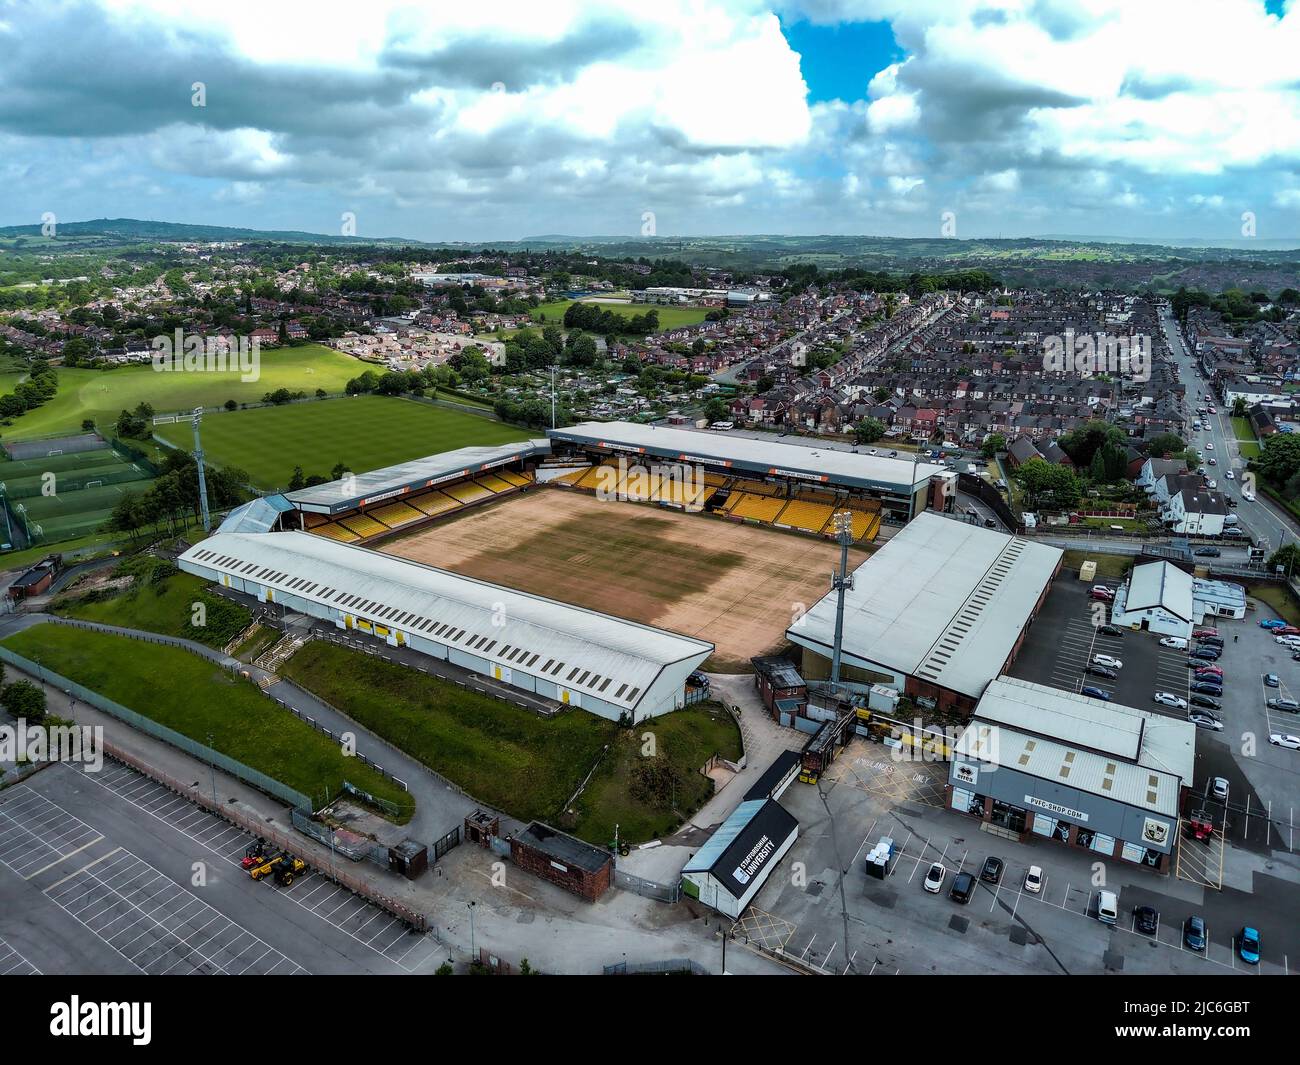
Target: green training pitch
x=364, y=433
x=670, y=317
x=104, y=394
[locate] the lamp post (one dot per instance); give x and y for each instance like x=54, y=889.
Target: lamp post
x=212, y=765
x=472, y=951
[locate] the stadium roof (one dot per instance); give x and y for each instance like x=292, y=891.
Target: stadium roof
x=392, y=481
x=943, y=601
x=257, y=515
x=759, y=457
x=618, y=659
x=1107, y=749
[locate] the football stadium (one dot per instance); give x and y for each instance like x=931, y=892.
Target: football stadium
x=596, y=567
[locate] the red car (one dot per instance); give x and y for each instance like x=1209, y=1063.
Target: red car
x=1287, y=630
x=1200, y=633
x=1101, y=592
x=1209, y=671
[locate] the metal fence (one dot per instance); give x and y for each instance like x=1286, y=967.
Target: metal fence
x=678, y=966
x=650, y=889
x=169, y=736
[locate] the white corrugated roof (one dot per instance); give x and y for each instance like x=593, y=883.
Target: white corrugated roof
x=722, y=448
x=519, y=630
x=943, y=600
x=1160, y=584
x=1107, y=749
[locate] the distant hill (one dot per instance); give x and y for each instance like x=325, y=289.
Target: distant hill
x=142, y=230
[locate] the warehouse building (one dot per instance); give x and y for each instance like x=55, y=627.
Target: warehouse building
x=936, y=614
x=574, y=656
x=735, y=862
x=1038, y=761
x=1158, y=597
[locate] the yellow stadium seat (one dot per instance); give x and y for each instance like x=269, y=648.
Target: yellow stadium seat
x=467, y=491
x=435, y=502
x=757, y=507
x=336, y=532
x=395, y=515
x=515, y=480
x=363, y=525
x=805, y=514
x=493, y=483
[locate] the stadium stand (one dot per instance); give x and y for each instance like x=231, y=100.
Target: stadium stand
x=640, y=484
x=435, y=502
x=336, y=532
x=493, y=483
x=313, y=520
x=716, y=480
x=468, y=492
x=755, y=507
x=574, y=476
x=757, y=488
x=518, y=480
x=363, y=525
x=805, y=514
x=395, y=515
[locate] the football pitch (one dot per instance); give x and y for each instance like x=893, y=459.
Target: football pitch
x=363, y=432
x=69, y=495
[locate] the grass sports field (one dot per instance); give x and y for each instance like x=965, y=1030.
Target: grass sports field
x=86, y=484
x=736, y=585
x=670, y=317
x=364, y=433
x=104, y=394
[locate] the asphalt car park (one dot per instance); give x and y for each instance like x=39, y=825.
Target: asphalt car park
x=826, y=910
x=153, y=884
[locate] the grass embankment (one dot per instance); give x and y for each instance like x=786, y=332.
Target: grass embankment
x=501, y=754
x=648, y=791
x=1279, y=599
x=199, y=699
x=1115, y=567
x=261, y=641
x=162, y=600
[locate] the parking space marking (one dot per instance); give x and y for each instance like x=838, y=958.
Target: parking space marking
x=229, y=843
x=12, y=963
x=767, y=930
x=157, y=925
x=36, y=835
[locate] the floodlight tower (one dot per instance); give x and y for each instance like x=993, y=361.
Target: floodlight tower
x=203, y=481
x=841, y=582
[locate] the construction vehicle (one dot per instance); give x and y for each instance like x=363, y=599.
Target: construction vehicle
x=289, y=868
x=267, y=865
x=254, y=853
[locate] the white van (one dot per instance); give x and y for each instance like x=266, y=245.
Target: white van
x=1107, y=907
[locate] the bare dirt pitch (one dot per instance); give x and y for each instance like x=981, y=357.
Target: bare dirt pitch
x=736, y=585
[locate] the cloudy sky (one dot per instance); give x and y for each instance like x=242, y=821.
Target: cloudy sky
x=450, y=120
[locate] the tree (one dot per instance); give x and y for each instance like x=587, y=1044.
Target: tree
x=1279, y=459
x=765, y=384
x=1239, y=407
x=1288, y=557
x=716, y=410
x=297, y=480
x=869, y=430
x=1165, y=444
x=87, y=425
x=996, y=442
x=23, y=699
x=1048, y=485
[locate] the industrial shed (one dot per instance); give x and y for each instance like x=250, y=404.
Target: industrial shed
x=567, y=862
x=734, y=863
x=937, y=613
x=578, y=657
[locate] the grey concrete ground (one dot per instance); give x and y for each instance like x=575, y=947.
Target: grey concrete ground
x=108, y=872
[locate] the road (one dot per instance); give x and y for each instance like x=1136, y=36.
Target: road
x=1266, y=525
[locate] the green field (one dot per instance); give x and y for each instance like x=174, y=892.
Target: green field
x=363, y=432
x=670, y=317
x=87, y=485
x=104, y=394
x=199, y=699
x=1247, y=445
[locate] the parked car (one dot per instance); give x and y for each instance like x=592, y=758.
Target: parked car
x=697, y=680
x=1206, y=702
x=1200, y=634
x=1210, y=670
x=934, y=878
x=1170, y=699
x=1174, y=641
x=1194, y=934
x=1204, y=687
x=1146, y=919
x=1219, y=788
x=1034, y=879
x=1248, y=945
x=1277, y=739
x=1208, y=552
x=1271, y=680
x=1100, y=591
x=1287, y=641
x=963, y=886
x=1110, y=630
x=1201, y=719
x=1284, y=703
x=1205, y=654
x=1095, y=692
x=1107, y=907
x=991, y=873
x=1102, y=671
x=1272, y=623
x=1287, y=630
x=1107, y=660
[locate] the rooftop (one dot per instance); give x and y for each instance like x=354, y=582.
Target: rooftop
x=764, y=457
x=942, y=600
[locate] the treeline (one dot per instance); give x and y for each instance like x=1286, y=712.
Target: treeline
x=801, y=275
x=594, y=319
x=171, y=501
x=1236, y=305
x=534, y=413
x=39, y=388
